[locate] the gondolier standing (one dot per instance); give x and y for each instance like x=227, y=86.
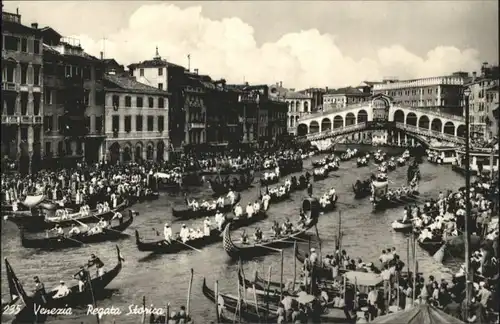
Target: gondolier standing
x=310, y=190
x=82, y=276
x=98, y=264
x=39, y=290
x=167, y=232
x=206, y=226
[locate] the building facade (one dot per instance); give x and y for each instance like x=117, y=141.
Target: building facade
x=163, y=75
x=298, y=105
x=136, y=121
x=342, y=97
x=483, y=99
x=442, y=94
x=73, y=122
x=22, y=88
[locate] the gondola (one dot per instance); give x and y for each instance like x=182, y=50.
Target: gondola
x=74, y=299
x=269, y=181
x=399, y=226
x=319, y=177
x=332, y=166
x=189, y=213
x=362, y=189
x=62, y=242
x=319, y=163
x=431, y=246
x=247, y=251
x=300, y=184
x=163, y=247
x=290, y=166
x=33, y=224
x=220, y=189
x=276, y=199
x=391, y=166
x=361, y=163
x=224, y=171
x=401, y=161
x=381, y=203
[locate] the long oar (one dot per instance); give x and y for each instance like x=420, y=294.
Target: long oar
x=189, y=246
x=72, y=239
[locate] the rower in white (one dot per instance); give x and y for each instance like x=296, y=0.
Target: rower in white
x=265, y=201
x=256, y=206
x=167, y=233
x=184, y=234
x=61, y=291
x=206, y=226
x=219, y=219
x=232, y=196
x=250, y=211
x=74, y=230
x=238, y=211
x=220, y=202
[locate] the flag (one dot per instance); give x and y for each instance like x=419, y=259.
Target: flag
x=15, y=287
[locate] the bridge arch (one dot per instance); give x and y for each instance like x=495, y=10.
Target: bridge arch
x=362, y=116
x=461, y=131
x=399, y=116
x=338, y=122
x=302, y=130
x=313, y=127
x=449, y=128
x=424, y=122
x=437, y=125
x=411, y=119
x=326, y=124
x=350, y=119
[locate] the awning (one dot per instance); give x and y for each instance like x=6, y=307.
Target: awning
x=421, y=314
x=32, y=201
x=363, y=278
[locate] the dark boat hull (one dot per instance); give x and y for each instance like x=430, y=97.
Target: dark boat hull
x=55, y=243
x=361, y=191
x=162, y=247
x=33, y=224
x=319, y=177
x=220, y=189
x=189, y=213
x=386, y=203
x=268, y=182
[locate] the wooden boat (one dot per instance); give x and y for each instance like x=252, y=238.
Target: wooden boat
x=381, y=203
x=401, y=162
x=74, y=299
x=222, y=188
x=290, y=166
x=246, y=251
x=25, y=205
x=61, y=242
x=276, y=199
x=189, y=213
x=332, y=166
x=319, y=177
x=225, y=171
x=163, y=247
x=269, y=181
x=319, y=163
x=299, y=184
x=399, y=226
x=431, y=246
x=391, y=166
x=361, y=163
x=362, y=189
x=13, y=294
x=32, y=224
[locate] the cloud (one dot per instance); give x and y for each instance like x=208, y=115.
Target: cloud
x=227, y=49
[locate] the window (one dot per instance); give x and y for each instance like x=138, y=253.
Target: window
x=151, y=122
x=161, y=121
x=140, y=102
x=100, y=98
x=160, y=86
x=160, y=71
x=86, y=72
x=151, y=102
x=37, y=97
x=47, y=123
x=98, y=124
x=116, y=101
x=24, y=45
x=87, y=123
x=67, y=70
x=161, y=103
x=36, y=74
x=24, y=103
x=116, y=124
x=138, y=123
x=128, y=101
x=10, y=74
x=36, y=47
x=128, y=124
x=48, y=148
x=11, y=43
x=24, y=74
x=60, y=123
x=86, y=98
x=141, y=72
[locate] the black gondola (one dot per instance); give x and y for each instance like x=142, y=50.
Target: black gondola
x=362, y=189
x=221, y=188
x=320, y=176
x=62, y=242
x=189, y=213
x=32, y=224
x=276, y=199
x=163, y=247
x=381, y=203
x=246, y=251
x=269, y=181
x=74, y=299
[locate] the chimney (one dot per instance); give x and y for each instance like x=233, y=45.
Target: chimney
x=196, y=71
x=102, y=55
x=17, y=11
x=34, y=25
x=326, y=88
x=281, y=84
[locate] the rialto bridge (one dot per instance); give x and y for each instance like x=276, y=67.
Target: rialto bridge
x=424, y=125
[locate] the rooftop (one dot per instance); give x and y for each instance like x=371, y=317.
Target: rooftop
x=296, y=95
x=157, y=61
x=129, y=84
x=347, y=91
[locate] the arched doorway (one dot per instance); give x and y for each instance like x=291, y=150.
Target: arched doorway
x=127, y=154
x=449, y=128
x=362, y=116
x=114, y=153
x=149, y=152
x=399, y=116
x=302, y=130
x=424, y=122
x=411, y=119
x=437, y=125
x=350, y=119
x=160, y=148
x=461, y=131
x=138, y=152
x=326, y=124
x=338, y=122
x=314, y=127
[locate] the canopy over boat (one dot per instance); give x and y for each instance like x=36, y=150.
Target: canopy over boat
x=380, y=184
x=422, y=314
x=363, y=278
x=32, y=201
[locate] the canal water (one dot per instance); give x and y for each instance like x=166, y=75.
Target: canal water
x=165, y=279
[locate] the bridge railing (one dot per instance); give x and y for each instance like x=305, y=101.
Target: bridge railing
x=327, y=110
x=432, y=133
x=336, y=131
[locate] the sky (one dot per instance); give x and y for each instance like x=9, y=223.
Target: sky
x=303, y=44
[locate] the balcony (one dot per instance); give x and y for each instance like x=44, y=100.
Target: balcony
x=196, y=125
x=9, y=86
x=249, y=98
x=11, y=120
